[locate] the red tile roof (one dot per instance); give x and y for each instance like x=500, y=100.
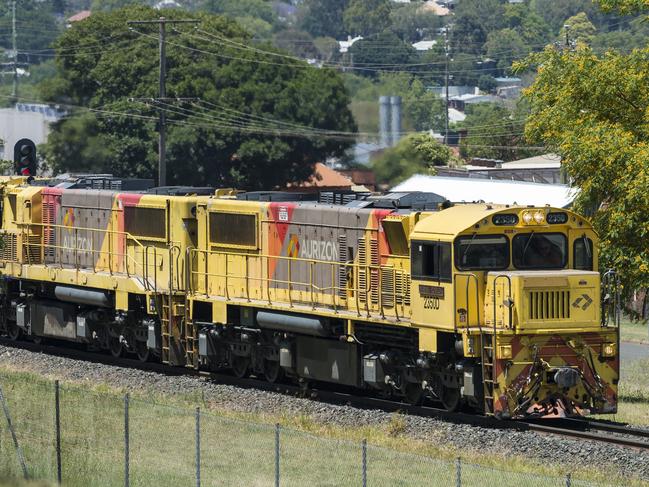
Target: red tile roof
x=84, y=14
x=325, y=177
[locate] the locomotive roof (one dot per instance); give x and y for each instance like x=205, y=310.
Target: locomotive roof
x=458, y=218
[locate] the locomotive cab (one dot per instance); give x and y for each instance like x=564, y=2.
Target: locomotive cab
x=519, y=294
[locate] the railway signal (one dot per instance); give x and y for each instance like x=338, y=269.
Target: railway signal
x=25, y=158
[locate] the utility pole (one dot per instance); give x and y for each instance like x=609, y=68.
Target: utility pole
x=162, y=143
x=566, y=28
x=14, y=90
x=446, y=79
x=14, y=64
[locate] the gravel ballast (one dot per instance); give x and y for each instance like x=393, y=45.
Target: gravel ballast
x=544, y=448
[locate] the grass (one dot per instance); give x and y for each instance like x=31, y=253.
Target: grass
x=237, y=448
x=633, y=394
x=632, y=331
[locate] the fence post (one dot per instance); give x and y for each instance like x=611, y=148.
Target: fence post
x=364, y=461
x=19, y=452
x=568, y=480
x=458, y=472
x=57, y=415
x=126, y=443
x=277, y=455
x=198, y=447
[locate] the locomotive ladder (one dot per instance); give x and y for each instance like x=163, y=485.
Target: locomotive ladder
x=178, y=335
x=488, y=346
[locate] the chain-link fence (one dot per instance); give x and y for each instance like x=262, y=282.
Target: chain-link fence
x=81, y=437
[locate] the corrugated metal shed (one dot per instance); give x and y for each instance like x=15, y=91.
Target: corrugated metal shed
x=491, y=191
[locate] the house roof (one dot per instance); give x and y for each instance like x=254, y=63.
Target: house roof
x=545, y=161
x=437, y=9
x=424, y=45
x=84, y=14
x=325, y=177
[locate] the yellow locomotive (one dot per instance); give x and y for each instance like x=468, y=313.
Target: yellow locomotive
x=492, y=308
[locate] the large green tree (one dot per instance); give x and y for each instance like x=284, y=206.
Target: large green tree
x=594, y=111
x=414, y=154
x=367, y=17
x=493, y=132
x=323, y=18
x=382, y=52
x=36, y=28
x=230, y=137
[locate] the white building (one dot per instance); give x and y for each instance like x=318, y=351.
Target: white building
x=30, y=121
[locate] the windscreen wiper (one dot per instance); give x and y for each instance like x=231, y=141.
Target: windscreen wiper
x=468, y=246
x=527, y=246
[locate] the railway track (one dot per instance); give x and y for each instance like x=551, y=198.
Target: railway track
x=587, y=429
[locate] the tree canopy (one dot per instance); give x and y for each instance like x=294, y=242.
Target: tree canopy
x=594, y=111
x=414, y=154
x=227, y=136
x=367, y=17
x=323, y=18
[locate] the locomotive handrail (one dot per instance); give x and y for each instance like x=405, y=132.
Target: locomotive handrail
x=307, y=285
x=27, y=229
x=470, y=276
x=611, y=282
x=509, y=308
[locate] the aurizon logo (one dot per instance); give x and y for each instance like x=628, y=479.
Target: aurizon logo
x=68, y=218
x=293, y=249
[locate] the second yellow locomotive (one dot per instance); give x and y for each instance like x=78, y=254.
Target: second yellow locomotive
x=493, y=308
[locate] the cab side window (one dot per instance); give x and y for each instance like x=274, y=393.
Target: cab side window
x=583, y=254
x=431, y=261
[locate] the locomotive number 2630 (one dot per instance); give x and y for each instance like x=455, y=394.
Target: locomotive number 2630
x=431, y=303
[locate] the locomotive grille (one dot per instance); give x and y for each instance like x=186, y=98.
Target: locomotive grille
x=32, y=249
x=49, y=235
x=8, y=250
x=549, y=305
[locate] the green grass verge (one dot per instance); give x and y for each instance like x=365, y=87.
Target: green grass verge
x=237, y=449
x=631, y=331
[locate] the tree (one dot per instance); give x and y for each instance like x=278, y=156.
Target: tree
x=624, y=7
x=505, y=46
x=474, y=19
x=228, y=138
x=414, y=154
x=37, y=28
x=382, y=52
x=258, y=9
x=493, y=132
x=323, y=18
x=411, y=23
x=367, y=17
x=594, y=111
x=578, y=29
x=297, y=42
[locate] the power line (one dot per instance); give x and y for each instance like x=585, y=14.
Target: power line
x=162, y=149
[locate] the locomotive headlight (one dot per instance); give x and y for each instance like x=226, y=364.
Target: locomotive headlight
x=539, y=217
x=527, y=217
x=504, y=351
x=608, y=350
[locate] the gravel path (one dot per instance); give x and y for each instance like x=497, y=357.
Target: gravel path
x=545, y=448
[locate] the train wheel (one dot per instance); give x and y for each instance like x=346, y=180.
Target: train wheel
x=272, y=370
x=115, y=346
x=240, y=366
x=142, y=351
x=413, y=393
x=37, y=340
x=451, y=398
x=14, y=332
